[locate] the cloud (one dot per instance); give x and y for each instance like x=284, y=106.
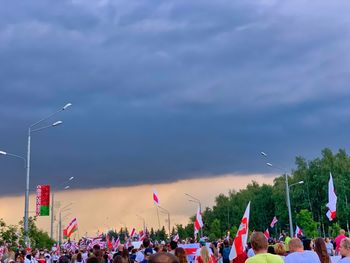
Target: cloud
x=122, y=204
x=170, y=90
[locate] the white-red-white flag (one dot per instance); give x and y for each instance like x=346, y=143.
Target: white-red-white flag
x=332, y=200
x=142, y=235
x=132, y=233
x=109, y=242
x=298, y=232
x=198, y=223
x=274, y=221
x=156, y=198
x=116, y=243
x=240, y=242
x=176, y=238
x=267, y=233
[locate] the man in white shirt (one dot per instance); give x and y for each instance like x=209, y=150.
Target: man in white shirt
x=297, y=253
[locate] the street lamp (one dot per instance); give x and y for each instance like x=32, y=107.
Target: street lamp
x=196, y=200
x=287, y=193
x=14, y=155
x=63, y=209
x=53, y=202
x=164, y=211
x=30, y=130
x=300, y=182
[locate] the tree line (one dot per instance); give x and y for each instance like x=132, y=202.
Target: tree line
x=308, y=201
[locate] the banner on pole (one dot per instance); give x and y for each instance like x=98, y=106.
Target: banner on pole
x=43, y=200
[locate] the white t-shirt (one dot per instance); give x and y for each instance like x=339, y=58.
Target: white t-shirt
x=345, y=260
x=140, y=255
x=84, y=256
x=302, y=257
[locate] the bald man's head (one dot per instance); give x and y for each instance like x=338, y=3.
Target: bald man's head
x=163, y=258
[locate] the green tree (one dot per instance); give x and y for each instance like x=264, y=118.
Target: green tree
x=215, y=230
x=305, y=221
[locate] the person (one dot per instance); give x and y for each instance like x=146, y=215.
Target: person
x=125, y=256
x=259, y=245
x=329, y=247
x=321, y=250
x=226, y=251
x=280, y=249
x=181, y=255
x=297, y=253
x=79, y=258
x=344, y=250
x=204, y=256
x=92, y=259
x=140, y=255
x=163, y=258
x=287, y=239
x=173, y=246
x=338, y=239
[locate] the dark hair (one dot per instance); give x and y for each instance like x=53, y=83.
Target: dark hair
x=271, y=250
x=173, y=244
x=96, y=247
x=63, y=259
x=118, y=259
x=92, y=260
x=79, y=257
x=125, y=254
x=146, y=242
x=163, y=258
x=181, y=254
x=226, y=243
x=307, y=244
x=321, y=250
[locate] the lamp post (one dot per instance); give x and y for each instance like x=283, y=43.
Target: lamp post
x=63, y=209
x=30, y=131
x=196, y=200
x=300, y=182
x=287, y=193
x=288, y=197
x=53, y=203
x=163, y=210
x=14, y=155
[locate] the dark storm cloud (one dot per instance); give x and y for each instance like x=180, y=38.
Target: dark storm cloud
x=165, y=90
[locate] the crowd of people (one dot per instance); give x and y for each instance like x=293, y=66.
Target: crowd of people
x=259, y=250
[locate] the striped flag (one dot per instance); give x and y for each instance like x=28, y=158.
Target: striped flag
x=132, y=233
x=274, y=221
x=198, y=223
x=298, y=232
x=240, y=241
x=267, y=233
x=176, y=238
x=142, y=235
x=116, y=244
x=156, y=198
x=332, y=200
x=71, y=228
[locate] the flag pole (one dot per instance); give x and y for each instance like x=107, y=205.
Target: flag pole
x=158, y=217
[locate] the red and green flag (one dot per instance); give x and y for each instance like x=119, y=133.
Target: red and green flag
x=43, y=200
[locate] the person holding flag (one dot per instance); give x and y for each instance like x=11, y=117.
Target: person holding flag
x=240, y=241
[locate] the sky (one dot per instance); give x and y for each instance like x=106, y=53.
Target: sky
x=166, y=91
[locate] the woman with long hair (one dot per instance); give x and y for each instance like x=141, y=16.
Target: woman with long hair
x=181, y=255
x=321, y=250
x=204, y=256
